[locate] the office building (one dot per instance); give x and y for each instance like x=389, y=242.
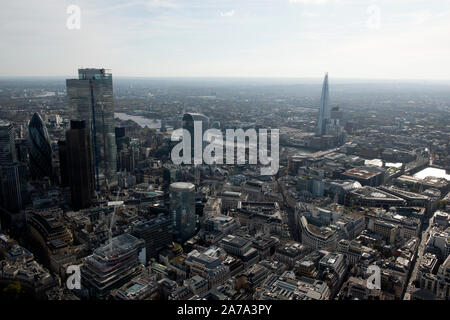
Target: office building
x=63, y=163
x=182, y=207
x=13, y=183
x=366, y=176
x=113, y=265
x=40, y=152
x=189, y=122
x=90, y=98
x=79, y=165
x=8, y=152
x=156, y=232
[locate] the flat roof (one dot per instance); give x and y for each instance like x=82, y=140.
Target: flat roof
x=361, y=173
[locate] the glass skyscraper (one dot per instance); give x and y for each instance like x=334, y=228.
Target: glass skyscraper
x=13, y=186
x=90, y=98
x=40, y=153
x=324, y=111
x=182, y=207
x=189, y=120
x=78, y=160
x=8, y=152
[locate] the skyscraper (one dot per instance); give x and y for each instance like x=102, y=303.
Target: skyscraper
x=13, y=184
x=90, y=98
x=324, y=110
x=40, y=153
x=182, y=208
x=189, y=120
x=8, y=152
x=79, y=164
x=63, y=163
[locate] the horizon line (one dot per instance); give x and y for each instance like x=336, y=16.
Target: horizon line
x=236, y=78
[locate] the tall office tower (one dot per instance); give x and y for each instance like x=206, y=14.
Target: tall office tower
x=63, y=163
x=22, y=147
x=324, y=111
x=156, y=232
x=337, y=116
x=8, y=152
x=182, y=208
x=112, y=265
x=40, y=153
x=90, y=98
x=79, y=163
x=13, y=183
x=189, y=120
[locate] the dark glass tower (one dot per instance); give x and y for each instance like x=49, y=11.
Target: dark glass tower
x=63, y=165
x=189, y=120
x=8, y=152
x=90, y=98
x=40, y=148
x=13, y=184
x=79, y=164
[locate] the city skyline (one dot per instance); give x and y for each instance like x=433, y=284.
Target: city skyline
x=218, y=167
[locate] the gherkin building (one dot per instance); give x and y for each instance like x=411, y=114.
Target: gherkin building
x=40, y=152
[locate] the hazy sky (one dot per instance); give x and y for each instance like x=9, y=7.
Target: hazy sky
x=399, y=39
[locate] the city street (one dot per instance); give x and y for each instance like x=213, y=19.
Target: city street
x=420, y=252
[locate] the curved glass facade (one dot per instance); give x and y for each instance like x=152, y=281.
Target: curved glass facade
x=40, y=148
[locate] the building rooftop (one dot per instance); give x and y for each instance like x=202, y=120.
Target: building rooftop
x=362, y=173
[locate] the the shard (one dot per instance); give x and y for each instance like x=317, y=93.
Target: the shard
x=324, y=111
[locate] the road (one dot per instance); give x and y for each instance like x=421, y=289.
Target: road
x=420, y=252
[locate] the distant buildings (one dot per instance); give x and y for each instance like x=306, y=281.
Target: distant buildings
x=40, y=154
x=190, y=120
x=90, y=98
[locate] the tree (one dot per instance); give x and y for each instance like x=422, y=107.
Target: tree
x=13, y=291
x=148, y=132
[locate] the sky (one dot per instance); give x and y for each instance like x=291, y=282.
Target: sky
x=369, y=39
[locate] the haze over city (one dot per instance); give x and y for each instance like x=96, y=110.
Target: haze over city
x=383, y=39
